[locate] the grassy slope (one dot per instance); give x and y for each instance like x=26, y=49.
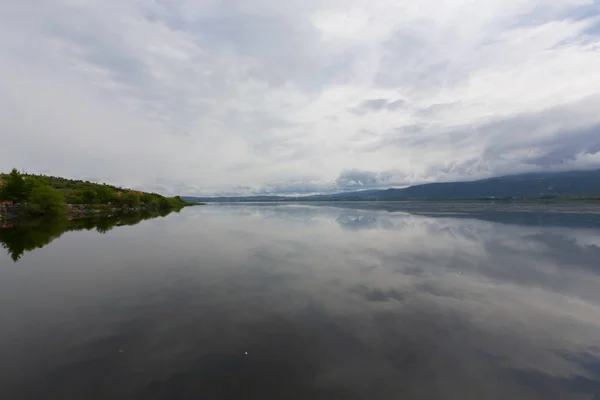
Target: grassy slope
x=70, y=186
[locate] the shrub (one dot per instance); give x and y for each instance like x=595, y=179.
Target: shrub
x=47, y=201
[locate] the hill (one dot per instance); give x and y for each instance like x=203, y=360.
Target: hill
x=47, y=194
x=560, y=185
x=538, y=185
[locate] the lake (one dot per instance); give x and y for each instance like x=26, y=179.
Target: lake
x=306, y=301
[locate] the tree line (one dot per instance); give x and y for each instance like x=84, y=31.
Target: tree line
x=49, y=195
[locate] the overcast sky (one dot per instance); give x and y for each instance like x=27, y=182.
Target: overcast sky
x=206, y=97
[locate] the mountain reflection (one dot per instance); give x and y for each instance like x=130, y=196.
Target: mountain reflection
x=20, y=237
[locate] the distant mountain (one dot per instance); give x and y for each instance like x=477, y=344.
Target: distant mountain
x=563, y=184
x=532, y=185
x=235, y=199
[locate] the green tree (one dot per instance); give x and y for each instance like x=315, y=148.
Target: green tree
x=48, y=201
x=75, y=198
x=88, y=196
x=30, y=184
x=131, y=199
x=149, y=201
x=105, y=195
x=14, y=188
x=164, y=203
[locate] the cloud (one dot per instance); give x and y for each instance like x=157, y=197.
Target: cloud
x=233, y=96
x=376, y=105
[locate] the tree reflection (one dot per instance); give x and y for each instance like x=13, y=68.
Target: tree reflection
x=31, y=235
x=24, y=236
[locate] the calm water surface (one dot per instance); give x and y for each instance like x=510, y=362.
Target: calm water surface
x=356, y=301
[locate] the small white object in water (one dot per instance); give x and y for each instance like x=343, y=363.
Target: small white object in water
x=246, y=352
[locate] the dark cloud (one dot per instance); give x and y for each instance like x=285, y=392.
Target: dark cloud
x=435, y=109
x=372, y=105
x=378, y=295
x=395, y=105
x=355, y=179
x=545, y=144
x=566, y=147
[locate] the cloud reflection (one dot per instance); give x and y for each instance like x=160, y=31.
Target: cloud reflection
x=407, y=306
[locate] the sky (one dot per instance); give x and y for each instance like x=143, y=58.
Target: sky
x=238, y=97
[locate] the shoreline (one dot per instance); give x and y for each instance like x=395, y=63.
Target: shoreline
x=79, y=211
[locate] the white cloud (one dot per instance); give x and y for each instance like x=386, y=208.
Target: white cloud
x=214, y=96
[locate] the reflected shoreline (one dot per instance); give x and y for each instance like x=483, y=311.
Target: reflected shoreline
x=24, y=235
x=19, y=236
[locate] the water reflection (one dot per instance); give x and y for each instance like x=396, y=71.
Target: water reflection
x=304, y=302
x=19, y=237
